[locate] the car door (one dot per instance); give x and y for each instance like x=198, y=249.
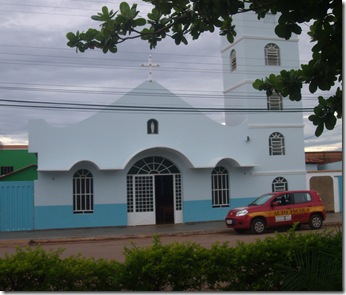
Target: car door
x=301, y=207
x=281, y=210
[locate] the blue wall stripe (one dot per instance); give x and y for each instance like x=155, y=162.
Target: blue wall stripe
x=49, y=217
x=194, y=211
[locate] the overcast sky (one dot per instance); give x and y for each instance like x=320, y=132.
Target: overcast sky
x=36, y=65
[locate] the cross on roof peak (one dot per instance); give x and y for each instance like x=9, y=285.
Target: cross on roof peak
x=149, y=65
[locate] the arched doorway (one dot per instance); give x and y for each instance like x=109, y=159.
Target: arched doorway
x=153, y=192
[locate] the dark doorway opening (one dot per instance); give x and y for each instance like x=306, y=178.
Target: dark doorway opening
x=164, y=199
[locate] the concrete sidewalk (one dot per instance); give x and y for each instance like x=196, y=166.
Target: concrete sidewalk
x=108, y=233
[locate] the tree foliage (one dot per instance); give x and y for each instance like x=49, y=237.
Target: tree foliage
x=178, y=19
x=285, y=262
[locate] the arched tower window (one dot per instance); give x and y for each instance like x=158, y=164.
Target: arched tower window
x=274, y=102
x=220, y=187
x=233, y=60
x=276, y=144
x=272, y=54
x=83, y=192
x=279, y=184
x=152, y=126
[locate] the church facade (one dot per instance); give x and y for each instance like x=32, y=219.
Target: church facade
x=159, y=164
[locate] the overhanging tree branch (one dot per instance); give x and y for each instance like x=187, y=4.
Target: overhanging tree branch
x=178, y=18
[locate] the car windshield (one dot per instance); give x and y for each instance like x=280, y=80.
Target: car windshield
x=261, y=200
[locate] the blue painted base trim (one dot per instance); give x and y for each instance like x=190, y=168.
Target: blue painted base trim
x=49, y=217
x=195, y=211
x=241, y=202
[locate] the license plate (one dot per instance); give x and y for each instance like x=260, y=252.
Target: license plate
x=229, y=221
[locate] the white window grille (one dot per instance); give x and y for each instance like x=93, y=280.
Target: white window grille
x=220, y=187
x=276, y=144
x=272, y=54
x=178, y=194
x=274, y=102
x=279, y=184
x=144, y=194
x=83, y=192
x=233, y=60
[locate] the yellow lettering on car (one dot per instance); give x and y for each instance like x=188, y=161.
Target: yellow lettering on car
x=285, y=212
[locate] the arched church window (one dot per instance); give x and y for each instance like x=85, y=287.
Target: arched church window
x=220, y=187
x=279, y=184
x=274, y=102
x=83, y=192
x=152, y=126
x=233, y=60
x=272, y=54
x=276, y=144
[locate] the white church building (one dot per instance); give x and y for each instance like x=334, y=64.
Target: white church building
x=158, y=166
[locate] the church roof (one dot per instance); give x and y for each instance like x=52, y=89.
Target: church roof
x=152, y=96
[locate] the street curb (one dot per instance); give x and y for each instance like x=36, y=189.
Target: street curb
x=34, y=242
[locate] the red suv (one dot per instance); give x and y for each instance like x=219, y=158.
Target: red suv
x=278, y=209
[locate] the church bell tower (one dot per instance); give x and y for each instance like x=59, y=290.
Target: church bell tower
x=256, y=53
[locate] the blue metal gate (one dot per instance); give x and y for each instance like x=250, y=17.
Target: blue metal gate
x=340, y=193
x=16, y=205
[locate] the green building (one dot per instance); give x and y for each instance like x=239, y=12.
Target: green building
x=17, y=164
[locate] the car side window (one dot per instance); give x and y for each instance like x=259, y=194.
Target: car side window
x=300, y=198
x=283, y=200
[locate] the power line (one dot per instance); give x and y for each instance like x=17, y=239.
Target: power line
x=138, y=108
x=46, y=6
x=156, y=53
x=139, y=92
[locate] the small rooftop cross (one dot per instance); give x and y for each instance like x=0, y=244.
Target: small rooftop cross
x=150, y=65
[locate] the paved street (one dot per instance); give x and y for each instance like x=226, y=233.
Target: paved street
x=108, y=233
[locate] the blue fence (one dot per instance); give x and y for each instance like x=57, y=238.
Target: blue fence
x=16, y=205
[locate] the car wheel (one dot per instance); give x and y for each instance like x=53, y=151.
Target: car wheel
x=315, y=221
x=258, y=226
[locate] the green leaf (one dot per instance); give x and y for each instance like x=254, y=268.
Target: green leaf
x=140, y=22
x=71, y=37
x=330, y=122
x=90, y=34
x=318, y=111
x=184, y=40
x=105, y=10
x=315, y=119
x=146, y=34
x=296, y=29
x=113, y=49
x=282, y=31
x=96, y=17
x=230, y=38
x=124, y=8
x=258, y=84
x=319, y=130
x=312, y=87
